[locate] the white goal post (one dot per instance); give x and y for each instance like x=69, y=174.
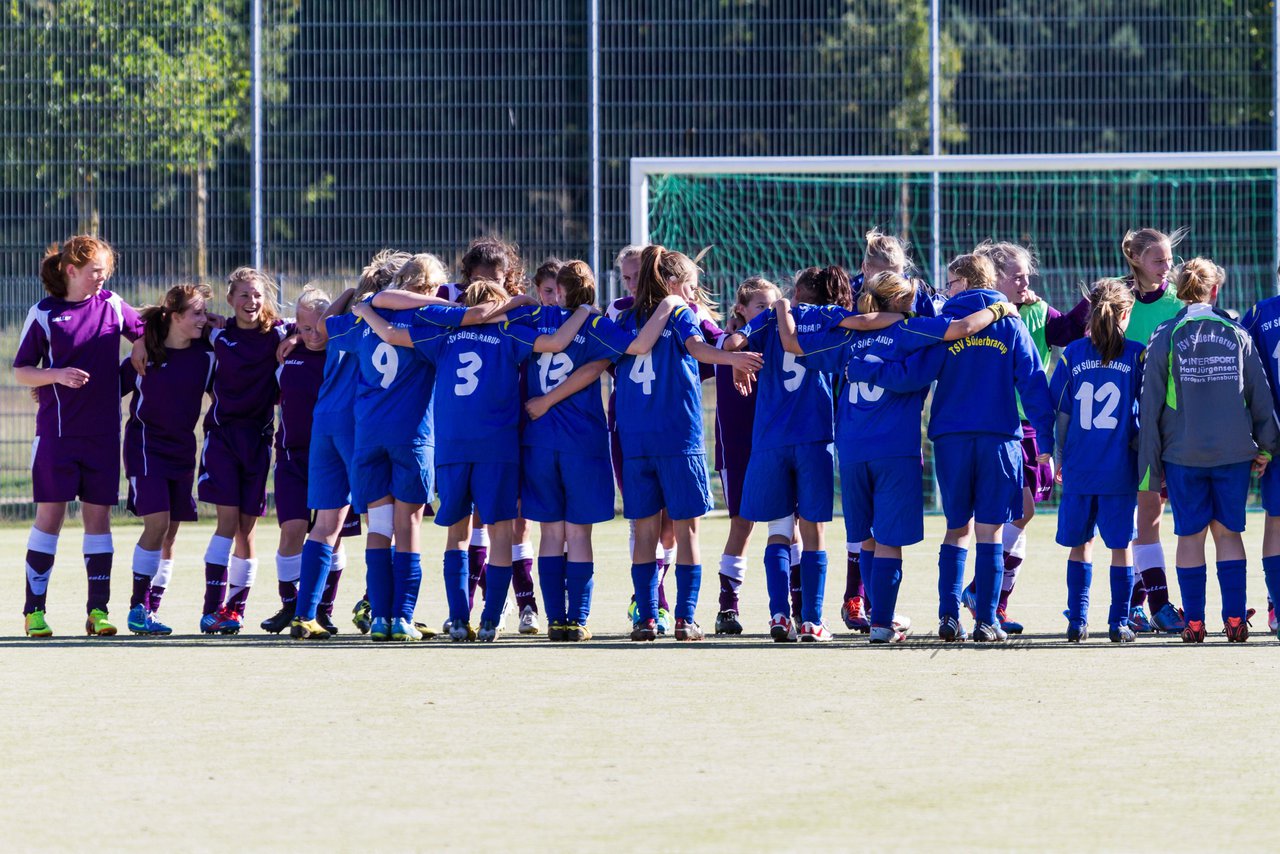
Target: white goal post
x=644, y=167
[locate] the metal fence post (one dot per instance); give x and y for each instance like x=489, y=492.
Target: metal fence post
x=255, y=143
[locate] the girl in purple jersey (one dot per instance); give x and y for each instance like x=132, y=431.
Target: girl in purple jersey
x=735, y=414
x=160, y=441
x=69, y=351
x=236, y=460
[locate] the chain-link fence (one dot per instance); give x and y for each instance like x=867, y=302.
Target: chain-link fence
x=422, y=125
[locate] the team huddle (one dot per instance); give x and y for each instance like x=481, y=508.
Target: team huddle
x=481, y=403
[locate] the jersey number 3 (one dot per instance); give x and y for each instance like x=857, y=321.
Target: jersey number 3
x=1109, y=396
x=468, y=374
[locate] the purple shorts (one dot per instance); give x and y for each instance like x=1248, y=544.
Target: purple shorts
x=615, y=455
x=84, y=467
x=732, y=475
x=291, y=485
x=1036, y=477
x=158, y=493
x=234, y=467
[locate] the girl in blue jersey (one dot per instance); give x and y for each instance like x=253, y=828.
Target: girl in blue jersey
x=1095, y=388
x=660, y=427
x=1263, y=324
x=565, y=478
x=877, y=436
x=1196, y=434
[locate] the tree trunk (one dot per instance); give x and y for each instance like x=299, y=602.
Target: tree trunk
x=201, y=225
x=88, y=217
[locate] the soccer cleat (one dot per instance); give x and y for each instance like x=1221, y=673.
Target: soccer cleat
x=1138, y=619
x=426, y=632
x=664, y=621
x=380, y=630
x=1006, y=625
x=226, y=622
x=727, y=623
x=404, y=630
x=576, y=632
x=1077, y=634
x=854, y=615
x=969, y=599
x=361, y=616
x=144, y=622
x=280, y=620
x=1193, y=632
x=688, y=630
x=529, y=621
x=782, y=629
x=881, y=634
x=307, y=630
x=502, y=621
x=1168, y=620
x=988, y=633
x=1121, y=634
x=36, y=626
x=633, y=612
x=489, y=631
x=326, y=622
x=97, y=624
x=902, y=623
x=557, y=632
x=1237, y=628
x=1271, y=618
x=644, y=630
x=461, y=632
x=815, y=633
x=951, y=630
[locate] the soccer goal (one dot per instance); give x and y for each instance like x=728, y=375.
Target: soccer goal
x=772, y=216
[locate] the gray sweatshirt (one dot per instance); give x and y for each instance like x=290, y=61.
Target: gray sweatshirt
x=1205, y=398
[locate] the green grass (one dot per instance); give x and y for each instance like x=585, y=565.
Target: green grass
x=259, y=743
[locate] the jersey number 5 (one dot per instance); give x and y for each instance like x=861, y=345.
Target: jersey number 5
x=468, y=374
x=1109, y=396
x=794, y=370
x=386, y=361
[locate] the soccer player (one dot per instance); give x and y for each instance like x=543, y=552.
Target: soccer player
x=1263, y=324
x=544, y=282
x=735, y=415
x=1095, y=389
x=1197, y=436
x=160, y=439
x=660, y=427
x=565, y=478
x=236, y=459
x=69, y=351
x=976, y=431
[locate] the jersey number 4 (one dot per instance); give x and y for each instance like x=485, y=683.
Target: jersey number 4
x=642, y=372
x=1109, y=396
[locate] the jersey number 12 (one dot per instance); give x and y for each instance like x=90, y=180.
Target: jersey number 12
x=1109, y=396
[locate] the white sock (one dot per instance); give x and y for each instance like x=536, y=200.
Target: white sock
x=163, y=574
x=39, y=541
x=795, y=554
x=219, y=551
x=480, y=537
x=146, y=563
x=669, y=557
x=522, y=551
x=241, y=573
x=288, y=568
x=339, y=559
x=1148, y=556
x=98, y=544
x=734, y=568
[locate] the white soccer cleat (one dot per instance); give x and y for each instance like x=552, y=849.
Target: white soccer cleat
x=902, y=623
x=502, y=621
x=880, y=634
x=528, y=621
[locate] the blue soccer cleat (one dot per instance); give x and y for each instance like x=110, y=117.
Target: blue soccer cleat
x=664, y=621
x=220, y=622
x=1008, y=626
x=380, y=629
x=1121, y=633
x=137, y=620
x=1138, y=620
x=1168, y=620
x=1077, y=632
x=969, y=599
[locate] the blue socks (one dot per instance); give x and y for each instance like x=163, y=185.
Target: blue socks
x=951, y=560
x=1231, y=580
x=579, y=582
x=777, y=578
x=813, y=584
x=1191, y=581
x=551, y=577
x=379, y=580
x=688, y=583
x=497, y=584
x=317, y=558
x=456, y=593
x=886, y=576
x=988, y=574
x=1121, y=591
x=406, y=575
x=1271, y=571
x=1079, y=577
x=644, y=579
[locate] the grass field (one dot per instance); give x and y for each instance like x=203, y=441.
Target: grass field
x=258, y=743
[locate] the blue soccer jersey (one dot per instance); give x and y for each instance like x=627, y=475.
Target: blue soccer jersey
x=477, y=390
x=393, y=397
x=660, y=393
x=335, y=407
x=576, y=424
x=794, y=392
x=1262, y=322
x=1098, y=457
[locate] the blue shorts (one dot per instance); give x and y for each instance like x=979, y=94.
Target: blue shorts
x=329, y=471
x=556, y=486
x=678, y=483
x=492, y=488
x=883, y=499
x=1200, y=495
x=402, y=471
x=979, y=477
x=1270, y=482
x=1081, y=517
x=788, y=480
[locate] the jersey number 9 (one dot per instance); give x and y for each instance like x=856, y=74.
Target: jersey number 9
x=386, y=361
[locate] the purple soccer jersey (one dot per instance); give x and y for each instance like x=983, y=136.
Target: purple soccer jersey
x=84, y=335
x=735, y=419
x=244, y=381
x=159, y=437
x=299, y=378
